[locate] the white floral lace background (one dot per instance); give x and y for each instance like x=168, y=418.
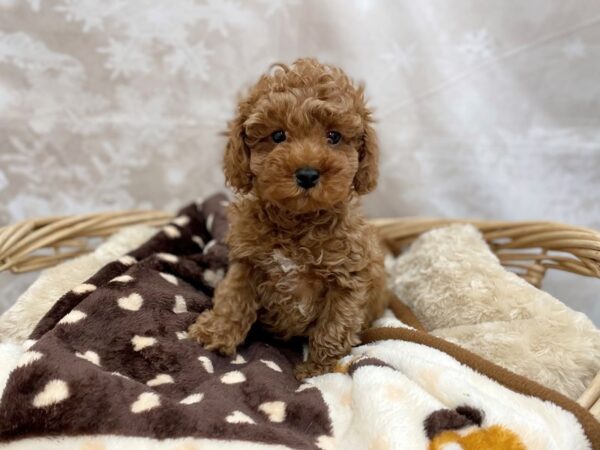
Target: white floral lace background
x=485, y=109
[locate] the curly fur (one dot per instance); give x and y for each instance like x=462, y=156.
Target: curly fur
x=303, y=262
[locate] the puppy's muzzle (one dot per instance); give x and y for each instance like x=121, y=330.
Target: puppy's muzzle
x=307, y=177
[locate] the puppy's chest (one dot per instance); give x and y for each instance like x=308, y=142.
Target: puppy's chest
x=291, y=291
x=289, y=269
x=305, y=267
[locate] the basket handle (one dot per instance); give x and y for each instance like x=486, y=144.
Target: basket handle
x=590, y=399
x=39, y=243
x=527, y=248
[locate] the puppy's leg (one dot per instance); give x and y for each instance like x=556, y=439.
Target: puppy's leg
x=335, y=332
x=225, y=326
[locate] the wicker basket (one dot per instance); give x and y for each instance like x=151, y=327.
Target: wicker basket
x=527, y=248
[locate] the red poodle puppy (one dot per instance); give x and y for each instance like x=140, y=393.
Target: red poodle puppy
x=303, y=260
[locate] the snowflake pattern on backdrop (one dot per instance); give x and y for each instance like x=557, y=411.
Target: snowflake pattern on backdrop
x=476, y=46
x=111, y=104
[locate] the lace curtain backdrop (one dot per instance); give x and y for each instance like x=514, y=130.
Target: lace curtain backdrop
x=484, y=109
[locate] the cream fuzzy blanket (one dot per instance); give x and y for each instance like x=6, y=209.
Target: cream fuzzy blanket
x=458, y=289
x=451, y=280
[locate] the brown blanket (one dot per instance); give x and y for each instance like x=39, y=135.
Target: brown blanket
x=112, y=357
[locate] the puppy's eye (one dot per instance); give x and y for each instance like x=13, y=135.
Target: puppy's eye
x=278, y=136
x=333, y=137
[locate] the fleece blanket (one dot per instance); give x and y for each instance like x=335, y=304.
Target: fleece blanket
x=110, y=366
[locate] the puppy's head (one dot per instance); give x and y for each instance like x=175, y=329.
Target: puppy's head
x=302, y=139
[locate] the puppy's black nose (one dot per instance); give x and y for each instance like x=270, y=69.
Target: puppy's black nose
x=307, y=177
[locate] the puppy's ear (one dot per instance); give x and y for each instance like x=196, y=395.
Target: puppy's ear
x=365, y=179
x=236, y=163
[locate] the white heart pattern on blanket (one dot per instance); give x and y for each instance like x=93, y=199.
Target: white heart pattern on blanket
x=239, y=417
x=127, y=260
x=133, y=302
x=84, y=288
x=54, y=392
x=141, y=342
x=73, y=317
x=206, y=363
x=181, y=221
x=167, y=257
x=192, y=399
x=122, y=279
x=89, y=356
x=161, y=378
x=172, y=232
x=28, y=358
x=170, y=278
x=239, y=359
x=271, y=365
x=275, y=411
x=180, y=305
x=233, y=377
x=145, y=402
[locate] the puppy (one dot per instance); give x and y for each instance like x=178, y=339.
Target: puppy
x=303, y=260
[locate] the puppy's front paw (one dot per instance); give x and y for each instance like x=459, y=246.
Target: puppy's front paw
x=215, y=333
x=308, y=369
